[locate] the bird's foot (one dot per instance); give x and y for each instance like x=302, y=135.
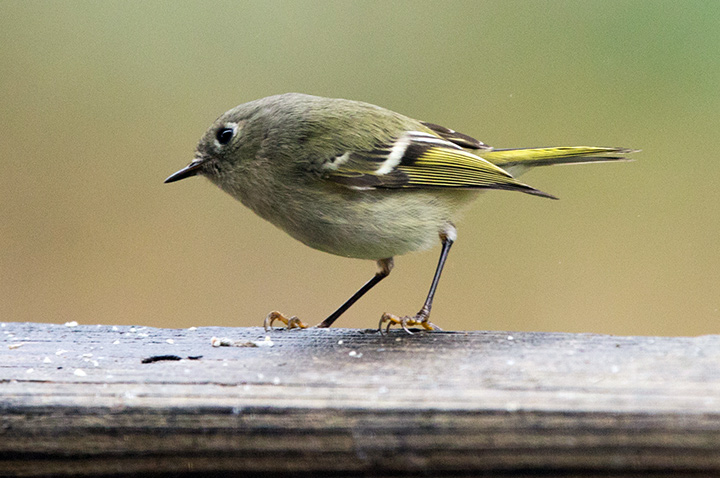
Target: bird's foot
x=419, y=320
x=290, y=323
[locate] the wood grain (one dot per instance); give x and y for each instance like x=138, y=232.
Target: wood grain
x=79, y=401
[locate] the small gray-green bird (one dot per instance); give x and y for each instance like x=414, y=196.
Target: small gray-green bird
x=357, y=180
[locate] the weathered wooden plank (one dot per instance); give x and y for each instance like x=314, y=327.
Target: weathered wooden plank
x=79, y=400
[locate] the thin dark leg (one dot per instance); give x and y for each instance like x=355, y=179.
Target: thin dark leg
x=386, y=266
x=448, y=238
x=447, y=242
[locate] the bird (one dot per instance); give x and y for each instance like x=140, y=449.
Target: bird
x=357, y=180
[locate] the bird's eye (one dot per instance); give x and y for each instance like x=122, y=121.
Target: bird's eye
x=224, y=135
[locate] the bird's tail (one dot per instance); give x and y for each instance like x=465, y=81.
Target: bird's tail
x=517, y=161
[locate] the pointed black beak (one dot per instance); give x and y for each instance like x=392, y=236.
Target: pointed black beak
x=190, y=170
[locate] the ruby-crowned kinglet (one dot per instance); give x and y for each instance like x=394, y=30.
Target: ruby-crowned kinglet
x=357, y=180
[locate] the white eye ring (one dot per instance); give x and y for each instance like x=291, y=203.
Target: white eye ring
x=225, y=134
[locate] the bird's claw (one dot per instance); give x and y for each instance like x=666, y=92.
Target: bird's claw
x=290, y=323
x=405, y=322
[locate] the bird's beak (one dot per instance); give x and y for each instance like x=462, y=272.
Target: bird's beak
x=190, y=170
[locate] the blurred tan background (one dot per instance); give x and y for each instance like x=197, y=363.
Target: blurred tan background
x=103, y=100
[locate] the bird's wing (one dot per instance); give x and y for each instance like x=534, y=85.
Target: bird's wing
x=455, y=137
x=419, y=159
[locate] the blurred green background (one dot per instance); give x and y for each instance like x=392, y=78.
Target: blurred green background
x=103, y=100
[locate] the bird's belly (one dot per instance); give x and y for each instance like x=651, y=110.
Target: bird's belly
x=372, y=224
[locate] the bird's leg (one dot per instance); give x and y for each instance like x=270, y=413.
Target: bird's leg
x=385, y=266
x=290, y=323
x=420, y=319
